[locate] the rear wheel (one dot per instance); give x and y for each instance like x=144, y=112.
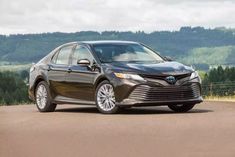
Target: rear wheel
x=181, y=107
x=43, y=98
x=105, y=98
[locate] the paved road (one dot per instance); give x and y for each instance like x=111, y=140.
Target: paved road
x=208, y=130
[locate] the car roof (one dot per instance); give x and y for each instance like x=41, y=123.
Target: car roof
x=101, y=42
x=109, y=42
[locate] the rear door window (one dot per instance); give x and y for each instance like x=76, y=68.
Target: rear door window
x=62, y=57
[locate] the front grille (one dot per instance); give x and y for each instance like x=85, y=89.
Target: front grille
x=164, y=93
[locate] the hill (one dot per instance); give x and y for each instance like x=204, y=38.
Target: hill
x=187, y=44
x=224, y=55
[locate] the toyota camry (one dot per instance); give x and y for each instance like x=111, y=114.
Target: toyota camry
x=112, y=75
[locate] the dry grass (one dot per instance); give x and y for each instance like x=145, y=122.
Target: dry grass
x=219, y=98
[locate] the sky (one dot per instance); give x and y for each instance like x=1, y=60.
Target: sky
x=37, y=16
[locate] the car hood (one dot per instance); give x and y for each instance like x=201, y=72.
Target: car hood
x=163, y=68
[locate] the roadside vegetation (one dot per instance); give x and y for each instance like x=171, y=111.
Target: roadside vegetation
x=219, y=83
x=13, y=87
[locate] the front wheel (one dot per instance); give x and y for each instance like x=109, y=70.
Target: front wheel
x=105, y=98
x=43, y=98
x=181, y=107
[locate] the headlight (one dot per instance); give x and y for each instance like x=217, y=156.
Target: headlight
x=194, y=75
x=129, y=76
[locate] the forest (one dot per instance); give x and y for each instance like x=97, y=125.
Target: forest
x=13, y=87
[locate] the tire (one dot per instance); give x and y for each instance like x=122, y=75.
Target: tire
x=181, y=107
x=105, y=98
x=43, y=98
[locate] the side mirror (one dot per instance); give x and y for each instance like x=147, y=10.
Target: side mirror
x=167, y=58
x=83, y=62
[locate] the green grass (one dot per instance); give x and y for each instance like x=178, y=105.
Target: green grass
x=210, y=55
x=15, y=68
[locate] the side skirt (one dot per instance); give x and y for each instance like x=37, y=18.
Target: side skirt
x=66, y=100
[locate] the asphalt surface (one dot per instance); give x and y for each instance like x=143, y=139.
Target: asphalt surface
x=208, y=131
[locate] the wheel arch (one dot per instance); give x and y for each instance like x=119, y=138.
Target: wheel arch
x=37, y=81
x=99, y=80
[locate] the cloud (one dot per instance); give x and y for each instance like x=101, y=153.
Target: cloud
x=27, y=16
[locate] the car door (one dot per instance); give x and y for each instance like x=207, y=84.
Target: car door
x=80, y=79
x=57, y=70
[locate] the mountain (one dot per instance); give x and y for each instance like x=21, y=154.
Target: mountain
x=195, y=45
x=224, y=55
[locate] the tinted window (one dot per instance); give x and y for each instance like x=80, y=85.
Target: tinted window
x=81, y=52
x=63, y=55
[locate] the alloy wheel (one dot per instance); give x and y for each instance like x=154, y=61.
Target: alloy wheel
x=41, y=96
x=105, y=97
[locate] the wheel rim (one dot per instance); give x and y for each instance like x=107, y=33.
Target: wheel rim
x=41, y=96
x=105, y=97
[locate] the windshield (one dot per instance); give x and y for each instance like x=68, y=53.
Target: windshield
x=136, y=53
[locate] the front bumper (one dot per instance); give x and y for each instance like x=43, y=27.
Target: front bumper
x=131, y=102
x=157, y=93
